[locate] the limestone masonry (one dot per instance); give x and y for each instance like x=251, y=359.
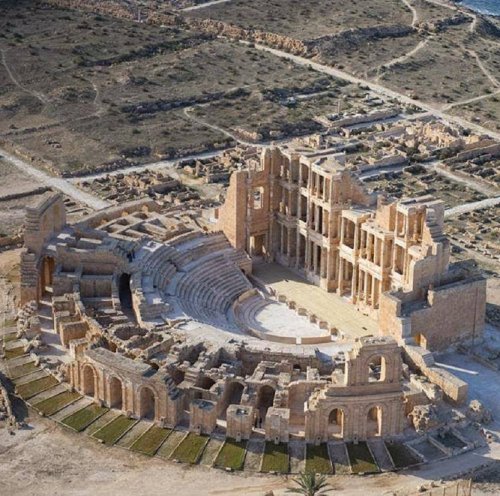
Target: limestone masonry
x=305, y=307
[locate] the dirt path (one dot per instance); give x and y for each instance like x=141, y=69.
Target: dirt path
x=484, y=70
x=470, y=207
x=471, y=100
x=204, y=5
x=55, y=182
x=413, y=11
x=402, y=58
x=98, y=101
x=187, y=113
x=39, y=96
x=473, y=25
x=470, y=182
x=377, y=88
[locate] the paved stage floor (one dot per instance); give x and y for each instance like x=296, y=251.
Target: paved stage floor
x=337, y=311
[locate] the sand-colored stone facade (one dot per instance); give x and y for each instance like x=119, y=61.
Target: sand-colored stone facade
x=389, y=258
x=158, y=314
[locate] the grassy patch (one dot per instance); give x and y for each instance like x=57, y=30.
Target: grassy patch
x=14, y=352
x=275, y=458
x=232, y=455
x=151, y=440
x=111, y=432
x=57, y=402
x=29, y=389
x=168, y=447
x=401, y=455
x=190, y=449
x=25, y=369
x=318, y=459
x=101, y=422
x=81, y=419
x=361, y=459
x=11, y=336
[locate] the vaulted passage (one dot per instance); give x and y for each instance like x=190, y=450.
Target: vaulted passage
x=336, y=423
x=265, y=400
x=115, y=393
x=88, y=381
x=147, y=403
x=232, y=396
x=124, y=291
x=374, y=422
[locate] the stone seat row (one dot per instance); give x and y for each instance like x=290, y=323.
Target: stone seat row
x=215, y=284
x=248, y=310
x=205, y=315
x=207, y=245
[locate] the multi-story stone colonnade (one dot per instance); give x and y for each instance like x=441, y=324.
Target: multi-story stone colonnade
x=143, y=302
x=389, y=258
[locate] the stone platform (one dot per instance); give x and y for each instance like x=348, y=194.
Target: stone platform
x=337, y=311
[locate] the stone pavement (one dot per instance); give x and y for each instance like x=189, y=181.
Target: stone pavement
x=330, y=307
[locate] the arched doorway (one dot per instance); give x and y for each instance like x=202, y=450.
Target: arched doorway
x=376, y=369
x=88, y=382
x=374, y=422
x=336, y=423
x=265, y=400
x=232, y=396
x=147, y=403
x=124, y=291
x=47, y=274
x=115, y=393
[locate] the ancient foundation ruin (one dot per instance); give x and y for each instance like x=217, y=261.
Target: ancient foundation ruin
x=163, y=314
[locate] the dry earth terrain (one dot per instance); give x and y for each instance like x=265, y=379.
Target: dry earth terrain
x=82, y=91
x=402, y=44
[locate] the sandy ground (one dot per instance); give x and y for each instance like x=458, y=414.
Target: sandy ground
x=9, y=288
x=49, y=460
x=13, y=180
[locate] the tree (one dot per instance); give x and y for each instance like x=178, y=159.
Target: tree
x=310, y=485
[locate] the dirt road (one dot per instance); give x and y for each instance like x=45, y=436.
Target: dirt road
x=377, y=88
x=58, y=183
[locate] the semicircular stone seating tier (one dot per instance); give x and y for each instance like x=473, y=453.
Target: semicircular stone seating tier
x=203, y=274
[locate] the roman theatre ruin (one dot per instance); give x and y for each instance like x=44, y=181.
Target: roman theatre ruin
x=300, y=309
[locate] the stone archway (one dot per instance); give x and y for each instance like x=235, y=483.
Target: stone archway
x=124, y=291
x=89, y=380
x=232, y=396
x=47, y=274
x=116, y=393
x=377, y=369
x=374, y=422
x=265, y=400
x=336, y=423
x=147, y=403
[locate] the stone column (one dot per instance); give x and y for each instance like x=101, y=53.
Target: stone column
x=356, y=237
x=374, y=285
x=323, y=264
x=340, y=278
x=354, y=284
